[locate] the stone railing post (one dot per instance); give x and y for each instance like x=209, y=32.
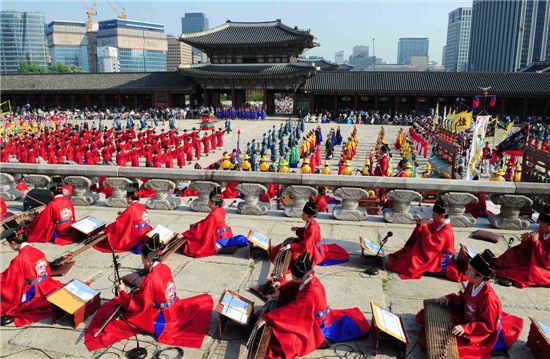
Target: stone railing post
x=81, y=191
x=349, y=210
x=299, y=195
x=251, y=204
x=38, y=181
x=163, y=189
x=401, y=206
x=119, y=186
x=200, y=204
x=456, y=202
x=508, y=218
x=7, y=188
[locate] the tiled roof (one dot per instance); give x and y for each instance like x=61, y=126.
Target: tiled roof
x=249, y=34
x=323, y=64
x=142, y=81
x=242, y=71
x=429, y=83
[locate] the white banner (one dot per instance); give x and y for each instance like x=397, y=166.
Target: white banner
x=480, y=128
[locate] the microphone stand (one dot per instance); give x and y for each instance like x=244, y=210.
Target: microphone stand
x=372, y=270
x=6, y=318
x=505, y=282
x=137, y=352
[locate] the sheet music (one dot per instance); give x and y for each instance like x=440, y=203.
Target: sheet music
x=235, y=308
x=234, y=314
x=371, y=246
x=545, y=328
x=471, y=252
x=260, y=240
x=80, y=290
x=87, y=225
x=389, y=323
x=164, y=233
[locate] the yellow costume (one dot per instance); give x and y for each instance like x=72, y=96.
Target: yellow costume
x=498, y=176
x=517, y=174
x=326, y=170
x=226, y=164
x=305, y=167
x=245, y=165
x=347, y=171
x=264, y=167
x=284, y=167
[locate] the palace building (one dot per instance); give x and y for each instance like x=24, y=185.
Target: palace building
x=266, y=57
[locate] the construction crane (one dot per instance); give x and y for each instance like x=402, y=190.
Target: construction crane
x=90, y=13
x=120, y=14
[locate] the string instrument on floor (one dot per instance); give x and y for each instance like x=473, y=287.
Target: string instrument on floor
x=440, y=342
x=258, y=340
x=281, y=265
x=21, y=220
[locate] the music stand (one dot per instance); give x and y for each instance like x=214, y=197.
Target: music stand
x=234, y=307
x=75, y=299
x=389, y=327
x=258, y=245
x=539, y=339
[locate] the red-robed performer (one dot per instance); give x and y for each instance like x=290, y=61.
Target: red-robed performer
x=153, y=309
x=428, y=248
x=209, y=235
x=128, y=231
x=54, y=222
x=480, y=324
x=308, y=238
x=26, y=282
x=382, y=167
x=303, y=320
x=528, y=264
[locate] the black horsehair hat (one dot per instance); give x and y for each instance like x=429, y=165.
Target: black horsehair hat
x=151, y=248
x=483, y=263
x=310, y=208
x=439, y=207
x=544, y=214
x=302, y=265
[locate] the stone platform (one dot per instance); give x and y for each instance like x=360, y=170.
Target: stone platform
x=346, y=285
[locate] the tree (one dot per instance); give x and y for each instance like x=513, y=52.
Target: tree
x=54, y=68
x=255, y=96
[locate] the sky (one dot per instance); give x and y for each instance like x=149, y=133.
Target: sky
x=337, y=25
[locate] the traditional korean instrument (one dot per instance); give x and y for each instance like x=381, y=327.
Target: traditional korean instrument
x=281, y=264
x=258, y=340
x=441, y=343
x=63, y=263
x=21, y=220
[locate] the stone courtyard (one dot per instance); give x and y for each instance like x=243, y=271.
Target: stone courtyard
x=347, y=285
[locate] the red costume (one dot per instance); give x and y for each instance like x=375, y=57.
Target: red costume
x=528, y=263
x=483, y=321
x=230, y=191
x=155, y=310
x=3, y=207
x=424, y=251
x=25, y=284
x=128, y=231
x=322, y=205
x=203, y=236
x=54, y=222
x=304, y=319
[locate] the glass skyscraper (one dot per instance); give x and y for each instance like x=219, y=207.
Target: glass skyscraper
x=68, y=43
x=193, y=22
x=134, y=46
x=22, y=39
x=509, y=35
x=411, y=46
x=458, y=39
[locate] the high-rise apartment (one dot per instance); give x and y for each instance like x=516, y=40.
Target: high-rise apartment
x=458, y=39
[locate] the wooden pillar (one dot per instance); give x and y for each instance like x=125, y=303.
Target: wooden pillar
x=311, y=103
x=205, y=96
x=12, y=99
x=56, y=100
x=119, y=99
x=103, y=101
x=395, y=103
x=546, y=106
x=87, y=100
x=264, y=94
x=27, y=98
x=335, y=103
x=524, y=112
x=233, y=99
x=294, y=101
x=72, y=100
x=375, y=102
x=135, y=100
x=416, y=101
x=42, y=101
x=356, y=102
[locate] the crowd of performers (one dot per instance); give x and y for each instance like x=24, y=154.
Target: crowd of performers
x=303, y=320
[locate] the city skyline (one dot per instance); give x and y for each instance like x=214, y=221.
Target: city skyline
x=350, y=23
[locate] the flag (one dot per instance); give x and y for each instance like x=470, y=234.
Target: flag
x=462, y=121
x=491, y=128
x=475, y=103
x=509, y=127
x=436, y=113
x=492, y=101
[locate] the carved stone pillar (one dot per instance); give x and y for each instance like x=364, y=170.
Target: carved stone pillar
x=401, y=206
x=81, y=191
x=349, y=210
x=119, y=185
x=162, y=200
x=456, y=202
x=7, y=188
x=251, y=204
x=510, y=204
x=38, y=181
x=200, y=204
x=299, y=195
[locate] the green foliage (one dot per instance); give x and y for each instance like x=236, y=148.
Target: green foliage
x=255, y=96
x=54, y=68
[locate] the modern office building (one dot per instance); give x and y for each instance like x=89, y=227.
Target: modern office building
x=509, y=35
x=68, y=43
x=179, y=53
x=339, y=57
x=22, y=39
x=458, y=39
x=411, y=46
x=195, y=22
x=140, y=46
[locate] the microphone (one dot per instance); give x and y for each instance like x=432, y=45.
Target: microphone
x=505, y=282
x=372, y=270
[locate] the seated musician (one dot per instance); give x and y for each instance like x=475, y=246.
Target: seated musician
x=153, y=309
x=26, y=282
x=308, y=238
x=528, y=264
x=481, y=325
x=428, y=248
x=206, y=237
x=303, y=321
x=53, y=224
x=128, y=231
